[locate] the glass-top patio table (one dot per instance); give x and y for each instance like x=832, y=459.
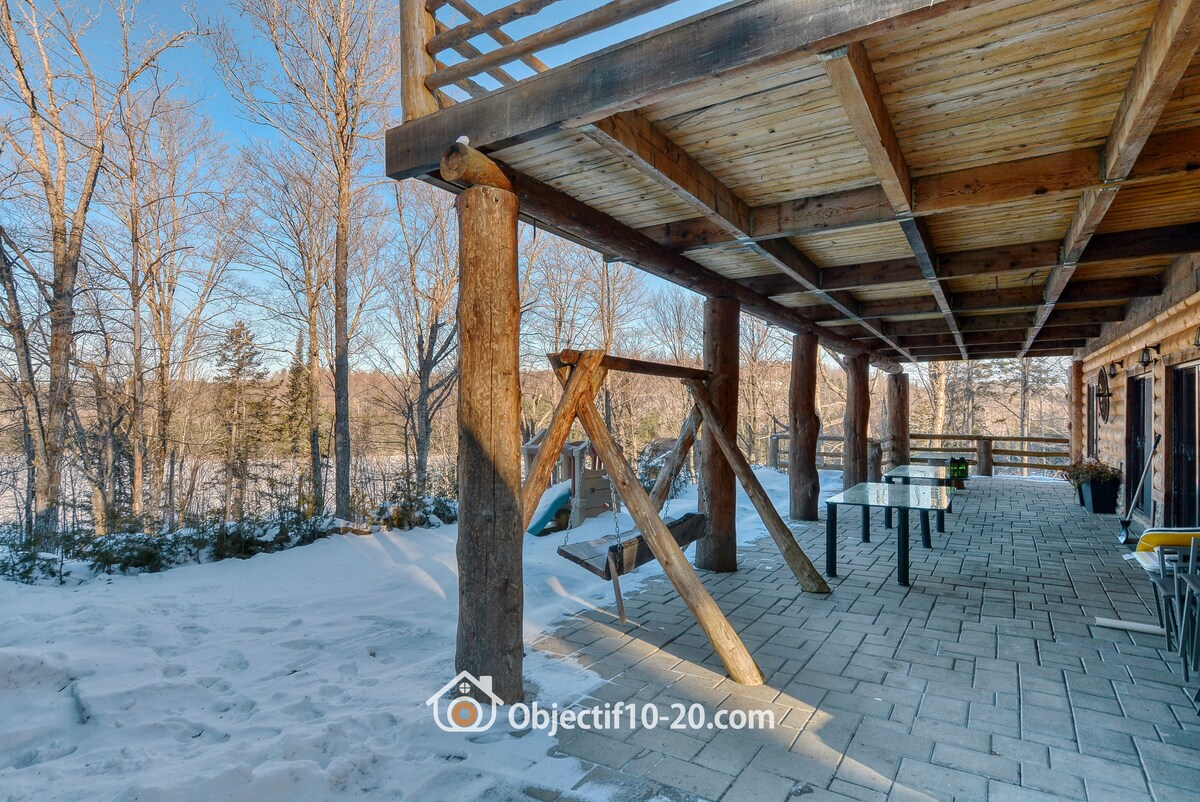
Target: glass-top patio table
x=907, y=474
x=902, y=498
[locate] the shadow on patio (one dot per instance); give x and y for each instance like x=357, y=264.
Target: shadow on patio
x=985, y=679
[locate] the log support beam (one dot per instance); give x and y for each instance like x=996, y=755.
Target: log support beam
x=856, y=421
x=491, y=524
x=1075, y=396
x=717, y=550
x=897, y=417
x=804, y=483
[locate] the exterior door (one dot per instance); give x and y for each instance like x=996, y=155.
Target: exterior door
x=1139, y=423
x=1185, y=494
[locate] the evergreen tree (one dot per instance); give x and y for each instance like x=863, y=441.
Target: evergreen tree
x=245, y=408
x=293, y=423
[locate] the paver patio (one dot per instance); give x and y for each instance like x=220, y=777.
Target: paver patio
x=984, y=680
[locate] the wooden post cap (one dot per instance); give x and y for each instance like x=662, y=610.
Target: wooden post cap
x=462, y=164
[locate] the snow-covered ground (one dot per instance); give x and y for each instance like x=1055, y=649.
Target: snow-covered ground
x=291, y=676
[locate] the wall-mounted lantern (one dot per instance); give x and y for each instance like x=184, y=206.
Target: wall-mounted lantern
x=1112, y=369
x=1146, y=358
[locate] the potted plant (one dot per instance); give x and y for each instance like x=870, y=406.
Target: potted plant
x=1074, y=473
x=1096, y=485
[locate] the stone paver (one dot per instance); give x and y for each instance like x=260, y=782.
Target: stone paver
x=986, y=679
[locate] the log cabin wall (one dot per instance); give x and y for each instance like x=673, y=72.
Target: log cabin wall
x=1171, y=320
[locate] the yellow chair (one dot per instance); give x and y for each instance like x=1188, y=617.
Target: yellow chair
x=1165, y=536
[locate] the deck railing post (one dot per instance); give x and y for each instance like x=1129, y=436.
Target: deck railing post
x=983, y=457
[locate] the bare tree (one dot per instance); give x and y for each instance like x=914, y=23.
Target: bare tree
x=63, y=110
x=421, y=313
x=326, y=88
x=293, y=239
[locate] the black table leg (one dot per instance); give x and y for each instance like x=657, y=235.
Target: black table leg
x=902, y=546
x=926, y=541
x=887, y=511
x=941, y=522
x=830, y=539
x=866, y=524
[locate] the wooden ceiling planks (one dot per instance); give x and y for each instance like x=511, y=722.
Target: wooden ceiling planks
x=1031, y=220
x=1034, y=78
x=979, y=87
x=849, y=246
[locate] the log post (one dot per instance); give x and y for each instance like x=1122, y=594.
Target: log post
x=416, y=29
x=857, y=420
x=1075, y=402
x=804, y=483
x=490, y=588
x=717, y=550
x=897, y=408
x=983, y=457
x=874, y=460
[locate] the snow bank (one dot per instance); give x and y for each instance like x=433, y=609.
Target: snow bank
x=300, y=675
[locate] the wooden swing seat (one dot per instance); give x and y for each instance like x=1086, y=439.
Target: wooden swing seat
x=631, y=551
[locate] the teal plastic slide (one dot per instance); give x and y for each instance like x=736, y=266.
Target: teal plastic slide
x=553, y=500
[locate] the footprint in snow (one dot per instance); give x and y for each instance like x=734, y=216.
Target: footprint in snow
x=173, y=670
x=303, y=643
x=304, y=710
x=235, y=662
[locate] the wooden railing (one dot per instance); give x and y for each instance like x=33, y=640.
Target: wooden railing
x=470, y=61
x=980, y=451
x=830, y=452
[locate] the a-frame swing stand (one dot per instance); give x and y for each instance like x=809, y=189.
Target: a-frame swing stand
x=582, y=373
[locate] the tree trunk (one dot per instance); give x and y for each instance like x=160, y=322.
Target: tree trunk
x=491, y=586
x=717, y=550
x=48, y=491
x=316, y=467
x=857, y=420
x=937, y=390
x=804, y=481
x=424, y=433
x=341, y=357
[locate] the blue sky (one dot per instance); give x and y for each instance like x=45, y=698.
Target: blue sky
x=193, y=63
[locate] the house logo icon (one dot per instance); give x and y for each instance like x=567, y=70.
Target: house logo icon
x=463, y=713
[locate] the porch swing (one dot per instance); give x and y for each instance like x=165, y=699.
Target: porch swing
x=581, y=373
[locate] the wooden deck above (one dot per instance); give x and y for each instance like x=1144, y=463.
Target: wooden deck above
x=945, y=180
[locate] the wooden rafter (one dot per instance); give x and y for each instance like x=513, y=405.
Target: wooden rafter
x=1017, y=298
x=1165, y=156
x=569, y=217
x=1165, y=242
x=849, y=70
x=638, y=141
x=1168, y=50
